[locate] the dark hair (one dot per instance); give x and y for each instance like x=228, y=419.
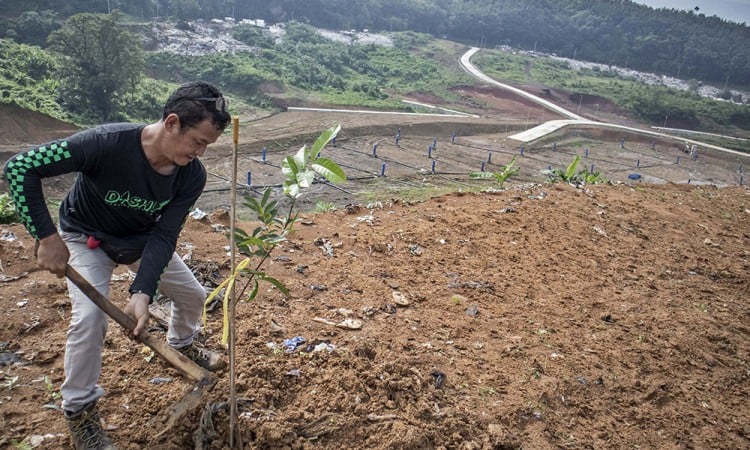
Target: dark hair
x=196, y=101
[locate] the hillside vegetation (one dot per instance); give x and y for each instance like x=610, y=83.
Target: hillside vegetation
x=304, y=66
x=681, y=43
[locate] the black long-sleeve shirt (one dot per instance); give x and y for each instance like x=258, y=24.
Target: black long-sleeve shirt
x=117, y=195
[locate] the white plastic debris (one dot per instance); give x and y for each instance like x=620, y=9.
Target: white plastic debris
x=197, y=214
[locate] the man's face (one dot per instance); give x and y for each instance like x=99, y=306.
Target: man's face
x=189, y=143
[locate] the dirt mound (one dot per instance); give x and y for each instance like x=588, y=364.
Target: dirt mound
x=536, y=317
x=19, y=127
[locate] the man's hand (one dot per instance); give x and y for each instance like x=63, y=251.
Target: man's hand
x=137, y=308
x=53, y=255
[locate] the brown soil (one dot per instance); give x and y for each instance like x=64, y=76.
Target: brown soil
x=540, y=316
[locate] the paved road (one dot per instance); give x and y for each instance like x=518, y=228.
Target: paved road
x=573, y=120
x=469, y=67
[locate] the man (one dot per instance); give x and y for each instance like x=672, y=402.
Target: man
x=135, y=186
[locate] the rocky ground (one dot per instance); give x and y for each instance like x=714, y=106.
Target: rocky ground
x=536, y=316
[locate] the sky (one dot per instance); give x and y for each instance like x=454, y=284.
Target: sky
x=734, y=10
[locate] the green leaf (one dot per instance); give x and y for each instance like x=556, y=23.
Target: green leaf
x=571, y=170
x=305, y=179
x=254, y=292
x=266, y=196
x=329, y=170
x=289, y=167
x=253, y=204
x=258, y=242
x=273, y=240
x=300, y=159
x=291, y=188
x=279, y=285
x=323, y=140
x=240, y=235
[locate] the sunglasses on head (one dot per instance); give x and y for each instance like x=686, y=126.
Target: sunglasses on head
x=220, y=103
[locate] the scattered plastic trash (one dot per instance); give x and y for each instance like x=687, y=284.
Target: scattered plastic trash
x=294, y=373
x=125, y=276
x=9, y=358
x=292, y=344
x=472, y=310
x=197, y=214
x=370, y=219
x=542, y=195
x=439, y=378
x=389, y=309
x=325, y=245
x=5, y=278
x=189, y=254
x=349, y=324
x=7, y=236
x=37, y=440
x=160, y=380
x=324, y=347
x=346, y=312
x=415, y=249
x=634, y=176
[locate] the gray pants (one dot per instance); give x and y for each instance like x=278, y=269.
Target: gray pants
x=88, y=323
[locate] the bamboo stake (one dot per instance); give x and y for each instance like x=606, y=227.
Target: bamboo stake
x=232, y=303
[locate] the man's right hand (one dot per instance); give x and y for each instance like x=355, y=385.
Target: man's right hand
x=137, y=308
x=53, y=255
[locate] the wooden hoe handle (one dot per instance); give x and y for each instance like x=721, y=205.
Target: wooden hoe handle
x=179, y=361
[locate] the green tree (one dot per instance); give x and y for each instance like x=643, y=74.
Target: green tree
x=103, y=63
x=33, y=27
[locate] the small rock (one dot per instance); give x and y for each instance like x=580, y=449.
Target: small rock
x=350, y=324
x=274, y=327
x=399, y=299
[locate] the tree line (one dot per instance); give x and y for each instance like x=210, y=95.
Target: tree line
x=678, y=43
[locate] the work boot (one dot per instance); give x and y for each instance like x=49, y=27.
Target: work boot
x=205, y=358
x=86, y=429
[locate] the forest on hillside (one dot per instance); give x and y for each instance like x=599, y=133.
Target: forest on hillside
x=684, y=44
